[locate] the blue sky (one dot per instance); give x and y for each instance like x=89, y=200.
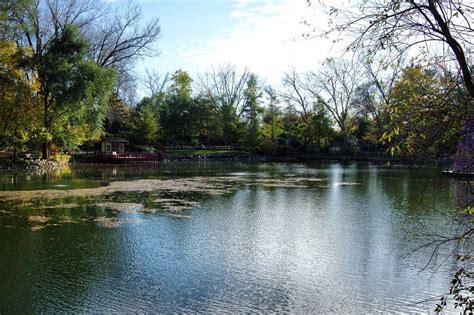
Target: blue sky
x=262, y=35
x=187, y=25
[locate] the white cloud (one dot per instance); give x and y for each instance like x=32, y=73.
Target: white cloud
x=265, y=37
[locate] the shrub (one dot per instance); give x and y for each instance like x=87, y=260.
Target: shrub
x=61, y=158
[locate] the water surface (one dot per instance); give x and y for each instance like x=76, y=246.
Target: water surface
x=273, y=237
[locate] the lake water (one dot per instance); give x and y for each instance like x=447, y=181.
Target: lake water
x=225, y=237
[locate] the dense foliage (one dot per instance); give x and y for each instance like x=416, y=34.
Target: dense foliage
x=415, y=118
x=64, y=84
x=61, y=71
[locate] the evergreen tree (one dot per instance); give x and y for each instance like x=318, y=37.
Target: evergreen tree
x=146, y=122
x=272, y=113
x=252, y=111
x=177, y=109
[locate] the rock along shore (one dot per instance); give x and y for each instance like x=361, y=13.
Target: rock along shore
x=8, y=165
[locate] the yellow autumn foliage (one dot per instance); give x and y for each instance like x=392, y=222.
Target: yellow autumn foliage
x=19, y=103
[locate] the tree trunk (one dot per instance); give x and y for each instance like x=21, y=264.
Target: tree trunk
x=318, y=138
x=273, y=129
x=455, y=47
x=45, y=151
x=345, y=142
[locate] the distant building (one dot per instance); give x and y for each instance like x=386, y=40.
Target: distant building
x=111, y=145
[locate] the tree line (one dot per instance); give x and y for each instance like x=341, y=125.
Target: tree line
x=348, y=105
x=67, y=81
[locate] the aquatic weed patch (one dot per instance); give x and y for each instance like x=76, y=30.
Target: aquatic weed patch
x=122, y=207
x=112, y=222
x=202, y=185
x=121, y=202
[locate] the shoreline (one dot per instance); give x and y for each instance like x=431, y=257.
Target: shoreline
x=49, y=165
x=30, y=165
x=302, y=158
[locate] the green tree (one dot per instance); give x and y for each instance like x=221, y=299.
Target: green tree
x=302, y=101
x=293, y=128
x=146, y=122
x=372, y=98
x=252, y=111
x=272, y=115
x=423, y=119
x=372, y=114
x=74, y=90
x=116, y=40
x=225, y=88
x=333, y=87
x=176, y=112
x=206, y=121
x=323, y=132
x=19, y=105
x=118, y=120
